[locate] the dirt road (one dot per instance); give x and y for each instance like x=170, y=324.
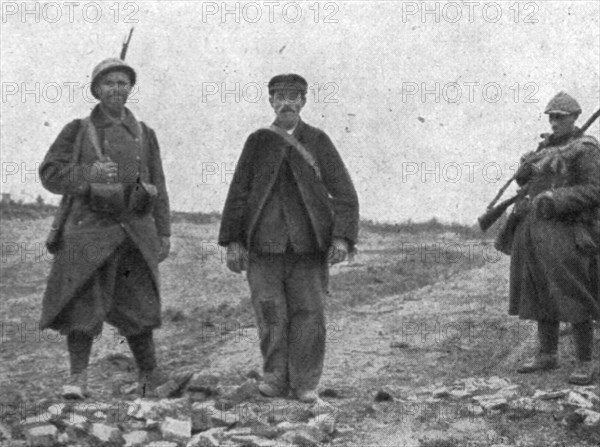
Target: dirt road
x=418, y=340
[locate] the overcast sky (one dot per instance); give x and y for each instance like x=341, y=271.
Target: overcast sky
x=430, y=105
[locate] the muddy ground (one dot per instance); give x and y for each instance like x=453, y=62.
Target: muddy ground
x=410, y=315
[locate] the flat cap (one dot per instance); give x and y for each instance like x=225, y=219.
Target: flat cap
x=288, y=81
x=562, y=104
x=108, y=65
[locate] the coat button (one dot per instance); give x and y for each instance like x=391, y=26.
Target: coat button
x=137, y=157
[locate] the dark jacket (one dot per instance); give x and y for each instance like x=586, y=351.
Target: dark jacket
x=90, y=237
x=554, y=263
x=331, y=202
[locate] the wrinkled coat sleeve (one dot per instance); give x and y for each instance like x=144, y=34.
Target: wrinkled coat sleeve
x=585, y=194
x=343, y=197
x=58, y=173
x=232, y=222
x=161, y=213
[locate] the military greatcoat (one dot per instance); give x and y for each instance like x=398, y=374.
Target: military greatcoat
x=90, y=238
x=554, y=273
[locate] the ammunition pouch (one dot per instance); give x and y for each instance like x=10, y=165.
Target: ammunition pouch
x=142, y=197
x=506, y=234
x=107, y=198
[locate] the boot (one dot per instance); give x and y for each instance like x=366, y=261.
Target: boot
x=76, y=386
x=540, y=362
x=79, y=345
x=144, y=353
x=150, y=381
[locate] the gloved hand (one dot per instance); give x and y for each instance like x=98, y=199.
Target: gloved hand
x=105, y=171
x=543, y=205
x=337, y=251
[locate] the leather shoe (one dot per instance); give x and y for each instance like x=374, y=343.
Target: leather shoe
x=76, y=387
x=307, y=396
x=269, y=390
x=583, y=374
x=541, y=362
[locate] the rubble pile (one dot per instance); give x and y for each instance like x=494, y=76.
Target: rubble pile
x=207, y=415
x=493, y=395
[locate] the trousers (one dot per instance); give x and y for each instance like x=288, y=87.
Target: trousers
x=288, y=298
x=142, y=347
x=583, y=335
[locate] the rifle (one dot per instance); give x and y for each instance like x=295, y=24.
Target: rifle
x=494, y=211
x=126, y=45
x=487, y=219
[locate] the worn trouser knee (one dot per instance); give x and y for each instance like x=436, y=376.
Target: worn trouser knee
x=548, y=336
x=79, y=345
x=583, y=334
x=143, y=350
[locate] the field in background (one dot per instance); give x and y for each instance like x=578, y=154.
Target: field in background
x=395, y=318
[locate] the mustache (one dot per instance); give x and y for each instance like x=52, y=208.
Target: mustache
x=286, y=109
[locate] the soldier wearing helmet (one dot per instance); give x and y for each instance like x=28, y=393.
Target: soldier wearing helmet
x=108, y=168
x=554, y=273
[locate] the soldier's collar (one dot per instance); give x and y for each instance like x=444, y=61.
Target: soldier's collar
x=100, y=119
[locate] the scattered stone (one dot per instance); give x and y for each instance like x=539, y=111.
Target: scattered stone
x=492, y=402
x=254, y=375
x=264, y=430
x=151, y=424
x=224, y=419
x=245, y=392
x=496, y=382
x=578, y=400
x=547, y=395
x=204, y=439
x=329, y=392
x=460, y=394
x=41, y=436
x=253, y=441
x=299, y=437
x=157, y=409
x=5, y=432
x=440, y=392
x=475, y=410
x=573, y=419
x=63, y=438
x=106, y=433
x=509, y=392
x=324, y=422
x=175, y=429
x=128, y=389
x=136, y=438
x=162, y=444
x=383, y=396
x=588, y=392
x=591, y=418
x=343, y=430
x=76, y=424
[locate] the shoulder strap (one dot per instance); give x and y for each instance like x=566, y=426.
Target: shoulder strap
x=93, y=137
x=79, y=139
x=290, y=139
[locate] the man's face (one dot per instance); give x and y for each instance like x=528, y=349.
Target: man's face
x=114, y=88
x=287, y=105
x=562, y=124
